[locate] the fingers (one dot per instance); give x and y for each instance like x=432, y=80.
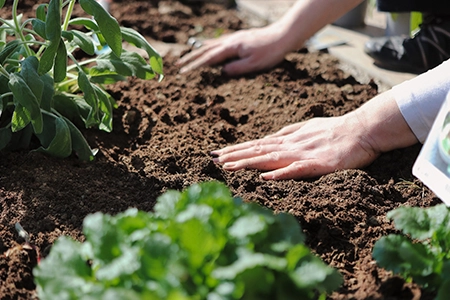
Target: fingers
x=212, y=52
x=247, y=157
x=206, y=55
x=297, y=170
x=261, y=146
x=269, y=161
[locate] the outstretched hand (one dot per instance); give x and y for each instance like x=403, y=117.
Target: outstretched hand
x=307, y=149
x=251, y=50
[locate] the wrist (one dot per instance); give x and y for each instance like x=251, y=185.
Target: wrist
x=384, y=127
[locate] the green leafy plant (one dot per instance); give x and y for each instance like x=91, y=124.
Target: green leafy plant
x=197, y=244
x=45, y=93
x=422, y=253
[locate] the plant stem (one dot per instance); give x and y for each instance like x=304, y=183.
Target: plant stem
x=68, y=14
x=4, y=72
x=18, y=31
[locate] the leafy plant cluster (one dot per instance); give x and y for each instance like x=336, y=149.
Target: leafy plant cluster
x=422, y=253
x=45, y=92
x=197, y=244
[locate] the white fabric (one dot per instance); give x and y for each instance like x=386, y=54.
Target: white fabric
x=420, y=98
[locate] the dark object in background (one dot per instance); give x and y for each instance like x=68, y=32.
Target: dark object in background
x=226, y=3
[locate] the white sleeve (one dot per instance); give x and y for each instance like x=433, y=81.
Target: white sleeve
x=420, y=98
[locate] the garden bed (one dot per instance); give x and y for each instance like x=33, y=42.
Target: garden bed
x=163, y=133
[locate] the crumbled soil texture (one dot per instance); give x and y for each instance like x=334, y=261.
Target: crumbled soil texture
x=163, y=133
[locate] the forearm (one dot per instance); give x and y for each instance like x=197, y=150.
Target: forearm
x=383, y=124
x=307, y=17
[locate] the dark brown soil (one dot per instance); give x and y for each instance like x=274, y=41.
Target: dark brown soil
x=163, y=133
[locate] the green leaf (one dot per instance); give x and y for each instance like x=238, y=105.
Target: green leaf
x=74, y=274
x=312, y=272
x=60, y=67
x=248, y=260
x=105, y=107
x=444, y=290
x=135, y=38
x=109, y=27
x=27, y=106
x=129, y=64
x=5, y=137
x=21, y=140
x=418, y=222
x=99, y=229
x=40, y=12
x=125, y=265
x=8, y=50
x=91, y=98
x=73, y=108
x=399, y=255
x=39, y=27
x=88, y=23
x=53, y=21
x=53, y=34
x=165, y=206
x=105, y=78
x=79, y=143
x=31, y=77
x=20, y=119
x=48, y=57
x=55, y=137
x=81, y=40
x=47, y=93
x=247, y=226
x=295, y=254
x=2, y=3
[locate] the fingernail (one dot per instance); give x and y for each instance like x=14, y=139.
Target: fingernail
x=215, y=160
x=215, y=153
x=229, y=165
x=266, y=176
x=182, y=70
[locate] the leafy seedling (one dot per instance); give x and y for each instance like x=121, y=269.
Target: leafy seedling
x=422, y=252
x=197, y=244
x=46, y=94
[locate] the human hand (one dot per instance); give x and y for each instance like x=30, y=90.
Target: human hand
x=302, y=150
x=253, y=50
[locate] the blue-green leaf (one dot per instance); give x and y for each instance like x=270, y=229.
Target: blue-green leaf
x=60, y=67
x=129, y=64
x=135, y=38
x=48, y=57
x=20, y=118
x=39, y=27
x=48, y=92
x=8, y=50
x=53, y=34
x=88, y=23
x=27, y=105
x=105, y=107
x=53, y=21
x=109, y=27
x=82, y=40
x=90, y=97
x=5, y=136
x=55, y=137
x=79, y=143
x=40, y=11
x=31, y=77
